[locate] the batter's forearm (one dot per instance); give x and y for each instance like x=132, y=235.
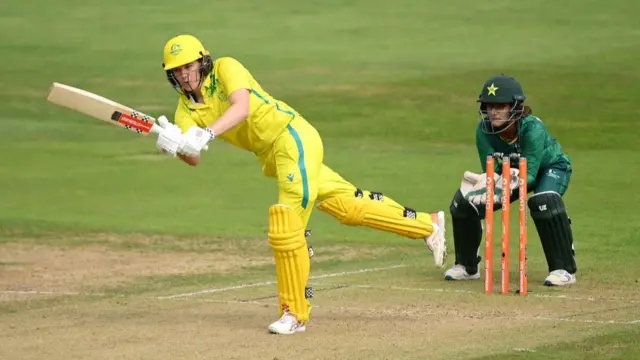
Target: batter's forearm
x=230, y=119
x=191, y=160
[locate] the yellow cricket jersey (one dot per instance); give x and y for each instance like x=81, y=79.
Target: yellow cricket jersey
x=267, y=119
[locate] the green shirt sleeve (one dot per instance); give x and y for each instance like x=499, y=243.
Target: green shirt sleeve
x=484, y=149
x=533, y=140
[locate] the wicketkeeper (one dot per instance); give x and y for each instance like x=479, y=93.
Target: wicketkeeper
x=507, y=126
x=221, y=99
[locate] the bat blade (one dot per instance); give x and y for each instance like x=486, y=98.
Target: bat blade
x=101, y=108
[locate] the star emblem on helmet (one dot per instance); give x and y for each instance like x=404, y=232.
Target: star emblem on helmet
x=492, y=89
x=175, y=49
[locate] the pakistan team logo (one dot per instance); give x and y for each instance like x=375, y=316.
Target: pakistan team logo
x=492, y=89
x=175, y=49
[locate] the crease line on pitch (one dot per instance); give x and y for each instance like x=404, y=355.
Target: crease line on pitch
x=267, y=283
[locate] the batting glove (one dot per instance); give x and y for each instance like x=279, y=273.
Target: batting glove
x=170, y=140
x=196, y=140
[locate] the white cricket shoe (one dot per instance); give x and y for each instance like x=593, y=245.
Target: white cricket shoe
x=288, y=324
x=459, y=272
x=560, y=278
x=436, y=242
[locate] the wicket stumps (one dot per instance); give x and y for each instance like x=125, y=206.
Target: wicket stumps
x=506, y=233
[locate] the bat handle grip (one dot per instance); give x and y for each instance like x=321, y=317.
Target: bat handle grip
x=156, y=129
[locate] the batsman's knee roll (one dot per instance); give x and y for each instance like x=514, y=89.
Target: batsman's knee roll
x=287, y=240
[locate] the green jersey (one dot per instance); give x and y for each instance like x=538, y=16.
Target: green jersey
x=533, y=142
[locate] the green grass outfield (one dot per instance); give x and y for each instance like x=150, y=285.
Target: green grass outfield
x=391, y=86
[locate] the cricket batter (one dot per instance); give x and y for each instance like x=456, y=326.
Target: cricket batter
x=507, y=126
x=221, y=99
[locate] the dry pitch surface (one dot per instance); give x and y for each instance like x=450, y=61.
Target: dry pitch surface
x=102, y=301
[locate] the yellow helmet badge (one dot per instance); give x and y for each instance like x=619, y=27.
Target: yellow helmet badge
x=175, y=49
x=181, y=50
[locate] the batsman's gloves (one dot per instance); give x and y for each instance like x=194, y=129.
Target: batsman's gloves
x=196, y=139
x=170, y=140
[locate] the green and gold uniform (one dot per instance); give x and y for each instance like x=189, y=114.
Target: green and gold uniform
x=548, y=176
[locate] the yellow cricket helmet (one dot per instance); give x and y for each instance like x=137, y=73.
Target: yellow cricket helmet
x=181, y=50
x=184, y=49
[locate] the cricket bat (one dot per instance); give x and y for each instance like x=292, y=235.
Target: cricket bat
x=103, y=109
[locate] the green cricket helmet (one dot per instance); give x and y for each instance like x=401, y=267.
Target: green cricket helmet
x=501, y=89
